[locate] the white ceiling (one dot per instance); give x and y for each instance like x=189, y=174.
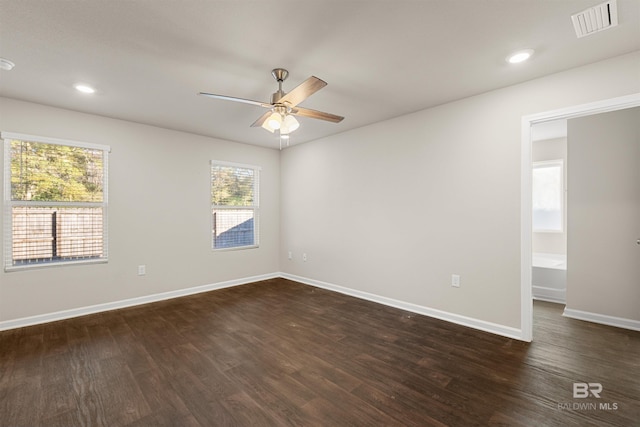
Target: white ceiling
x=381, y=58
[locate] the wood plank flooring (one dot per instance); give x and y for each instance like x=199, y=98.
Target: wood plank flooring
x=278, y=353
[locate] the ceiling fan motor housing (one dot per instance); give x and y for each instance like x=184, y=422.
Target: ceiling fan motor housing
x=276, y=96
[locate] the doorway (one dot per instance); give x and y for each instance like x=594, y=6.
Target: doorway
x=549, y=186
x=526, y=215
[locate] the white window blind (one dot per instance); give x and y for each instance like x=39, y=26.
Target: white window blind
x=56, y=200
x=548, y=196
x=235, y=205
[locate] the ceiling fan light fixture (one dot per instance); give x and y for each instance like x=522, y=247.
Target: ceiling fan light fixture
x=274, y=121
x=266, y=126
x=291, y=123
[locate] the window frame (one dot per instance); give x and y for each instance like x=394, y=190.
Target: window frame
x=9, y=204
x=255, y=207
x=547, y=164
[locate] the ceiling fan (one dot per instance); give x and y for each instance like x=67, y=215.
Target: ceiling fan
x=284, y=106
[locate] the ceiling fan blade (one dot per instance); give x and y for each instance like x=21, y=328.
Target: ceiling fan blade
x=303, y=91
x=231, y=98
x=314, y=114
x=262, y=119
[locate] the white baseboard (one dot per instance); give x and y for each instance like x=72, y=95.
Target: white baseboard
x=82, y=311
x=431, y=312
x=482, y=325
x=549, y=294
x=618, y=322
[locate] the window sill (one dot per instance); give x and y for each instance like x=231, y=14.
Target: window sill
x=237, y=248
x=36, y=266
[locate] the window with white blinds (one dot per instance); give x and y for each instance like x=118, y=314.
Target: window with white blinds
x=235, y=206
x=56, y=199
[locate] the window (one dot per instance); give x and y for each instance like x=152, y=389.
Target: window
x=234, y=205
x=548, y=196
x=55, y=201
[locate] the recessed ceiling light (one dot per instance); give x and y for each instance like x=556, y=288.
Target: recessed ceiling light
x=84, y=88
x=6, y=65
x=519, y=56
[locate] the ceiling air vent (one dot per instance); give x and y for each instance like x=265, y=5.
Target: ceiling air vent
x=597, y=18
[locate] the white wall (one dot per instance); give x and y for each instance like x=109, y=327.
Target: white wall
x=159, y=214
x=551, y=149
x=604, y=216
x=393, y=209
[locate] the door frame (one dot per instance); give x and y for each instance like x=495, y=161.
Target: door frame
x=526, y=231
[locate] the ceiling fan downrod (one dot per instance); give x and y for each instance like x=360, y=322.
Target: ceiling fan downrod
x=280, y=74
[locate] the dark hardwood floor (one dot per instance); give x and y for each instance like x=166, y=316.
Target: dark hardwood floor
x=282, y=353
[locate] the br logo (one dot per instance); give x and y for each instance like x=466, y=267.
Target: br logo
x=584, y=390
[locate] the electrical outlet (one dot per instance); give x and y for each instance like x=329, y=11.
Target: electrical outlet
x=304, y=257
x=290, y=255
x=142, y=270
x=455, y=280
